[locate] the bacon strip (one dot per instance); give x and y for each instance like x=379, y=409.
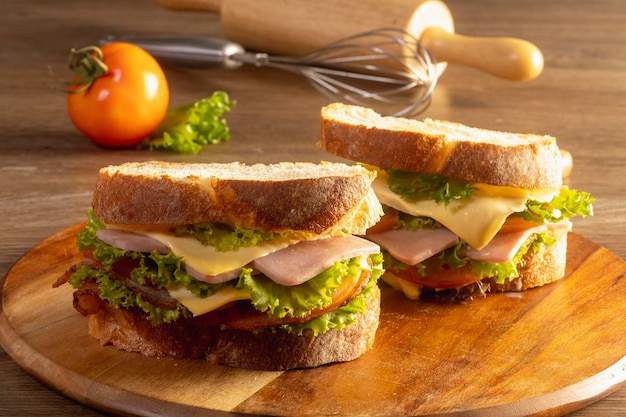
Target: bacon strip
x=121, y=270
x=159, y=297
x=86, y=298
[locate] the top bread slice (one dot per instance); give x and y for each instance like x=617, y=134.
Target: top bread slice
x=451, y=149
x=311, y=198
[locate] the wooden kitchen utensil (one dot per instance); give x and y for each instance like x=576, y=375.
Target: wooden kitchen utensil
x=296, y=27
x=385, y=69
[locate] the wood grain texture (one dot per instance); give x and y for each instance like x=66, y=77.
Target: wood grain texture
x=541, y=352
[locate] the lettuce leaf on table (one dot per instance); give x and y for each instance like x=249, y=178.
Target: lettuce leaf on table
x=185, y=129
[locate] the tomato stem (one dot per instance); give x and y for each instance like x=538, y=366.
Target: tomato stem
x=88, y=64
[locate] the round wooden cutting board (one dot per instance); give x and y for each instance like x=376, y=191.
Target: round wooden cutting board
x=546, y=351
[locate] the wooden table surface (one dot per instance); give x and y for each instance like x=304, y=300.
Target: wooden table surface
x=47, y=169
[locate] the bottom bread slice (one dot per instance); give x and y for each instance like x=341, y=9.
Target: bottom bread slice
x=269, y=349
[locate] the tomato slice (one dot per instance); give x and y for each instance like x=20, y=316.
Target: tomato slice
x=445, y=278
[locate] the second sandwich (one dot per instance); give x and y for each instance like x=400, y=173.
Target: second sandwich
x=467, y=210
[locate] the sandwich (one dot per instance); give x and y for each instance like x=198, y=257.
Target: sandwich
x=467, y=211
x=248, y=266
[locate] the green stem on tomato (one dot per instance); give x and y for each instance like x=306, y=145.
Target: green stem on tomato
x=88, y=64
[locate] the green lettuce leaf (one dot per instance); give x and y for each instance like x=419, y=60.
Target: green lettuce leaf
x=280, y=301
x=345, y=315
x=161, y=270
x=567, y=204
x=413, y=186
x=409, y=222
x=439, y=188
x=166, y=269
x=225, y=237
x=87, y=236
x=119, y=296
x=187, y=128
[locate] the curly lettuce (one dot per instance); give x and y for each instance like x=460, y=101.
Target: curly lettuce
x=225, y=238
x=279, y=301
x=163, y=270
x=439, y=188
x=567, y=204
x=345, y=315
x=409, y=222
x=187, y=128
x=120, y=296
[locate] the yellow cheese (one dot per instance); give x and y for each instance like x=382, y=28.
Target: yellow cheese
x=410, y=289
x=198, y=305
x=205, y=259
x=475, y=220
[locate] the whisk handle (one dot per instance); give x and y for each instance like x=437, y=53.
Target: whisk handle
x=508, y=58
x=186, y=51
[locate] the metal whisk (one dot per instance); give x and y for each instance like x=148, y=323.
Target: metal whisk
x=385, y=69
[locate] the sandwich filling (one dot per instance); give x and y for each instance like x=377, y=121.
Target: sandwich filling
x=246, y=279
x=444, y=233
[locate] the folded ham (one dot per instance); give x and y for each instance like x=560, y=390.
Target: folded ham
x=415, y=246
x=302, y=261
x=290, y=266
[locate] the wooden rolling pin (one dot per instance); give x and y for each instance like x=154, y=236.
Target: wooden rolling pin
x=295, y=27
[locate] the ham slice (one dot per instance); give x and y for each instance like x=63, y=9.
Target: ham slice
x=213, y=279
x=414, y=246
x=292, y=265
x=126, y=240
x=504, y=246
x=138, y=242
x=302, y=261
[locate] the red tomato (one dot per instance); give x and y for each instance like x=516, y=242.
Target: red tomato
x=444, y=279
x=126, y=104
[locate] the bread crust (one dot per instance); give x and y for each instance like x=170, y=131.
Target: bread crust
x=266, y=350
x=538, y=268
x=476, y=155
x=267, y=197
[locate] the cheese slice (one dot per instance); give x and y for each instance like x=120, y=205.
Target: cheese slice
x=198, y=305
x=475, y=220
x=205, y=259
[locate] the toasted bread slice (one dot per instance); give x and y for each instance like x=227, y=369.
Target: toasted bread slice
x=471, y=154
x=313, y=198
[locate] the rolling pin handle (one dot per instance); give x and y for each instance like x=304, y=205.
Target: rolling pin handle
x=508, y=58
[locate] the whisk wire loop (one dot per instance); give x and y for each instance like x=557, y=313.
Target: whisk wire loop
x=386, y=69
